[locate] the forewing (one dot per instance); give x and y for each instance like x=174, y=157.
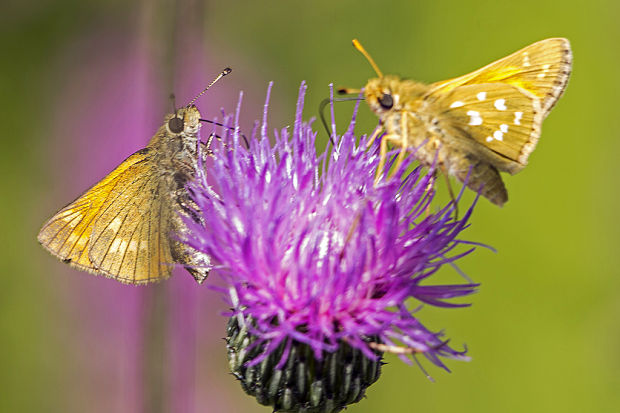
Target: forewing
x=67, y=234
x=130, y=239
x=542, y=69
x=504, y=119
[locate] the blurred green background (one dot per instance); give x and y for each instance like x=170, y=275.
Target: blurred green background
x=544, y=330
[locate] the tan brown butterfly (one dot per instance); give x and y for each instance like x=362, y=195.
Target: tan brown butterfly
x=127, y=226
x=479, y=124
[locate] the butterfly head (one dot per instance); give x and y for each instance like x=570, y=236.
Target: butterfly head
x=380, y=96
x=185, y=120
x=390, y=93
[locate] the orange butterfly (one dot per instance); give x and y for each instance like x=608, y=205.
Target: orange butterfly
x=127, y=226
x=479, y=124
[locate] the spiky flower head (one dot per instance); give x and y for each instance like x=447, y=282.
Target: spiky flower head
x=321, y=263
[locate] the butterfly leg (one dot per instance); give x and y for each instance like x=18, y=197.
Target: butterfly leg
x=209, y=140
x=374, y=136
x=429, y=188
x=352, y=229
x=452, y=197
x=382, y=158
x=207, y=144
x=204, y=148
x=399, y=161
x=245, y=139
x=403, y=146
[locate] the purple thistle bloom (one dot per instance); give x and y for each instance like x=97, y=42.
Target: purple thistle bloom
x=315, y=254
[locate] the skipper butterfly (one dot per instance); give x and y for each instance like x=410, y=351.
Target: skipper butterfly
x=128, y=225
x=474, y=126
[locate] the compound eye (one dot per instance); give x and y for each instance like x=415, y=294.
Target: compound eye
x=176, y=125
x=386, y=101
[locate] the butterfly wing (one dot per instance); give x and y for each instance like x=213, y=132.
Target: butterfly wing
x=130, y=238
x=542, y=69
x=502, y=121
x=118, y=228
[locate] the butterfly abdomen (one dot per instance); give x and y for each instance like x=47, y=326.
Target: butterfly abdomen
x=479, y=175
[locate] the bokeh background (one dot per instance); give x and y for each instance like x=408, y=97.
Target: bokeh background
x=85, y=84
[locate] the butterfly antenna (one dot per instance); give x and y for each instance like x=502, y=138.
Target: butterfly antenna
x=322, y=106
x=174, y=104
x=348, y=91
x=221, y=75
x=359, y=47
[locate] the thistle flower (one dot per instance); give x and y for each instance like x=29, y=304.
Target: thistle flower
x=320, y=263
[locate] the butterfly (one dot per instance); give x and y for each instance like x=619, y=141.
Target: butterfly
x=129, y=225
x=474, y=126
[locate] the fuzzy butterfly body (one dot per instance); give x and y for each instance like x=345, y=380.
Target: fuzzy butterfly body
x=477, y=125
x=129, y=226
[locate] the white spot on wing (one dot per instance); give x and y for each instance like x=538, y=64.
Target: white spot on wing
x=526, y=59
x=545, y=70
x=115, y=224
x=133, y=246
x=498, y=135
x=476, y=119
x=489, y=139
x=500, y=104
x=518, y=116
x=457, y=104
x=503, y=127
x=481, y=96
x=115, y=246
